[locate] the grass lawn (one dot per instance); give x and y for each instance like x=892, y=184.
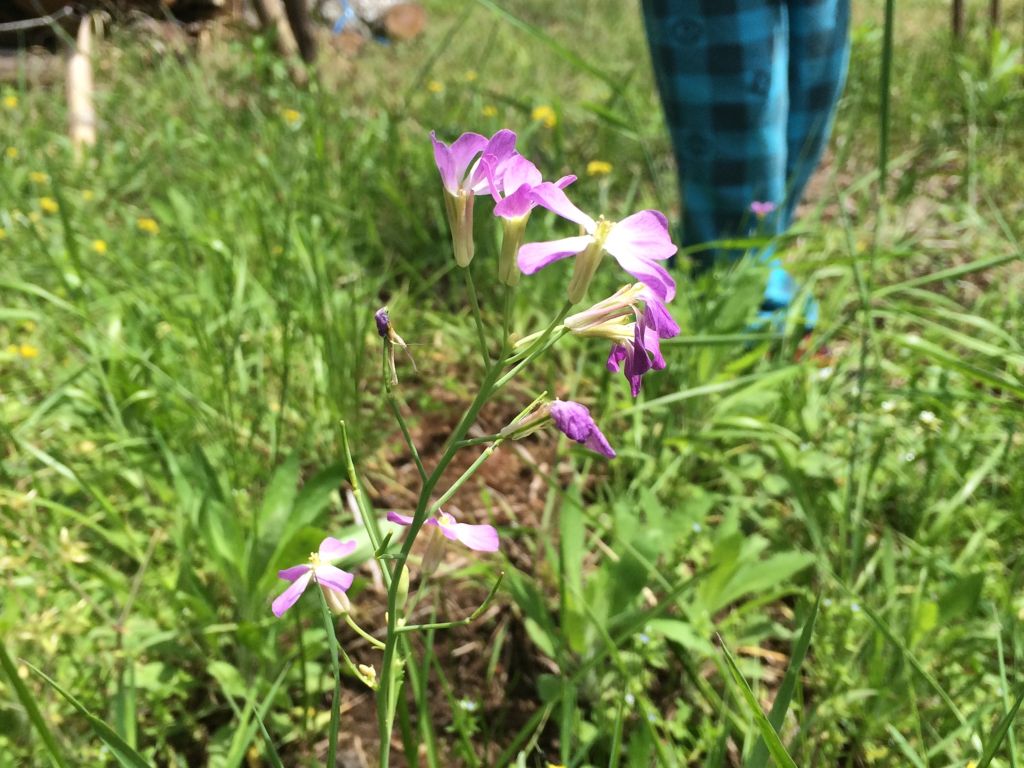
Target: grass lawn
x=187, y=321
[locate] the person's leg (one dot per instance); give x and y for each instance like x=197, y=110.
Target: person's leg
x=722, y=70
x=819, y=53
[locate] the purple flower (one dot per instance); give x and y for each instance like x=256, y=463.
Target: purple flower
x=383, y=322
x=463, y=179
x=512, y=183
x=761, y=209
x=515, y=180
x=574, y=421
x=482, y=538
x=635, y=320
x=637, y=243
x=326, y=575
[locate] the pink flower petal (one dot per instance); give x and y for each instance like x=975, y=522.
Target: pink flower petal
x=519, y=203
x=334, y=549
x=643, y=235
x=554, y=199
x=453, y=161
x=394, y=517
x=656, y=316
x=333, y=577
x=650, y=273
x=535, y=256
x=482, y=538
x=287, y=598
x=291, y=574
x=517, y=171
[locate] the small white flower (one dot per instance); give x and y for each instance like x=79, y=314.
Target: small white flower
x=697, y=528
x=824, y=374
x=888, y=406
x=468, y=705
x=855, y=607
x=909, y=456
x=827, y=602
x=630, y=699
x=928, y=418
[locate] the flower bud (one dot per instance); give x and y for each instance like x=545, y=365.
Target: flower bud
x=403, y=589
x=368, y=672
x=338, y=602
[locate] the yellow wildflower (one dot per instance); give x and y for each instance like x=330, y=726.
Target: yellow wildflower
x=28, y=351
x=490, y=110
x=471, y=75
x=48, y=204
x=291, y=116
x=12, y=153
x=3, y=233
x=11, y=101
x=546, y=115
x=99, y=246
x=38, y=177
x=599, y=168
x=148, y=225
x=88, y=194
x=435, y=86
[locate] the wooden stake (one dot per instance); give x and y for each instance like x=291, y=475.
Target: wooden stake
x=81, y=113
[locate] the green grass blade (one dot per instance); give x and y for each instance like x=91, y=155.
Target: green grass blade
x=551, y=43
x=34, y=715
x=951, y=273
x=1000, y=732
x=771, y=738
x=759, y=757
x=120, y=748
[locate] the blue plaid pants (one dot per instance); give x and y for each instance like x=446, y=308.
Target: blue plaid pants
x=749, y=89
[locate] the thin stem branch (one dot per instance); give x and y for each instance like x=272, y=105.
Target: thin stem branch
x=396, y=410
x=363, y=633
x=470, y=471
x=459, y=622
x=477, y=316
x=332, y=641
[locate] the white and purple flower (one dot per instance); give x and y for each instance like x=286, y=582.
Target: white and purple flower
x=482, y=538
x=512, y=185
x=635, y=320
x=637, y=243
x=318, y=569
x=464, y=168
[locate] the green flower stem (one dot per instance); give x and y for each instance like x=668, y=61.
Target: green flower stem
x=387, y=696
x=391, y=668
x=542, y=345
x=506, y=318
x=396, y=410
x=332, y=641
x=363, y=633
x=478, y=440
x=470, y=471
x=477, y=316
x=459, y=622
x=368, y=519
